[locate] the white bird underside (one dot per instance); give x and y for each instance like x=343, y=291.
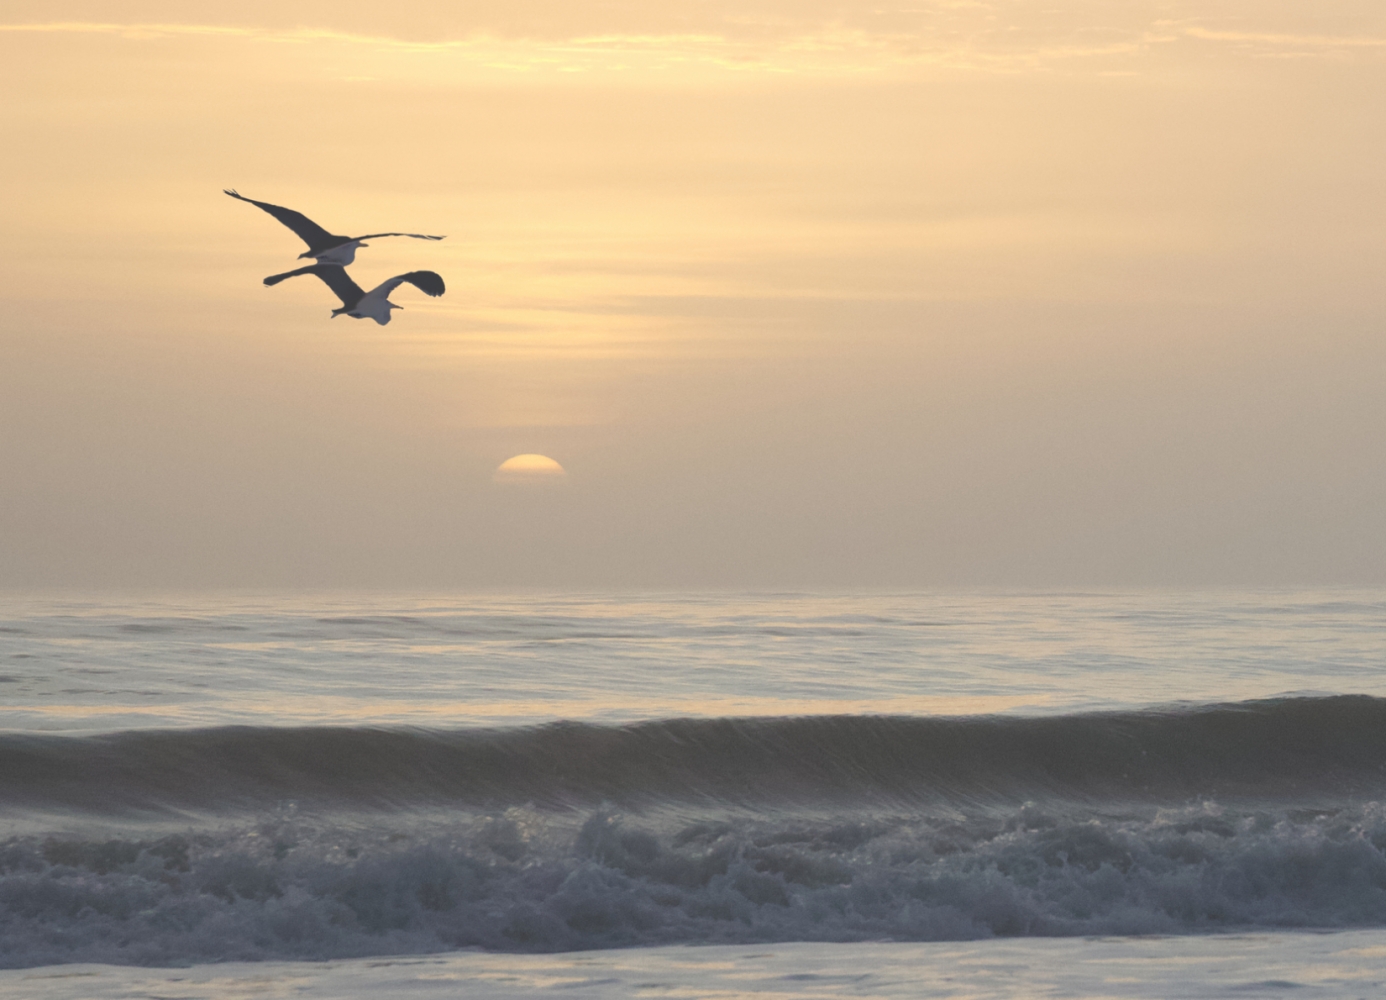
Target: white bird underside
x=339, y=255
x=376, y=304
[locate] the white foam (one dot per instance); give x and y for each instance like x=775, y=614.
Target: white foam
x=285, y=891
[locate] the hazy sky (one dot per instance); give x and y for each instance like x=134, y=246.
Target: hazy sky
x=801, y=294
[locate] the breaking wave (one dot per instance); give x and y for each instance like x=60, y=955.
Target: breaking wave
x=228, y=844
x=517, y=881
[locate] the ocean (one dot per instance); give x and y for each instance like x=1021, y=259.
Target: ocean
x=962, y=794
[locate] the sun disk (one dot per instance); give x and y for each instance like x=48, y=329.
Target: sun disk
x=529, y=468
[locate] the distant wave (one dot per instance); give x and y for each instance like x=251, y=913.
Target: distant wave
x=1301, y=749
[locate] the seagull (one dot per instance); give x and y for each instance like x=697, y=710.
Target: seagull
x=376, y=303
x=322, y=245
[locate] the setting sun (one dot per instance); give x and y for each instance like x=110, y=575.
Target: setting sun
x=529, y=468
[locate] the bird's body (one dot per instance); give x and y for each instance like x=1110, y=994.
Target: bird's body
x=341, y=255
x=325, y=247
x=360, y=304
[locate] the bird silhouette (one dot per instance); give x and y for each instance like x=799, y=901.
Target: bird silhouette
x=326, y=247
x=360, y=304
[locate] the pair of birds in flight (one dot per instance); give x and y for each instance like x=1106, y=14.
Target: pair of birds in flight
x=333, y=253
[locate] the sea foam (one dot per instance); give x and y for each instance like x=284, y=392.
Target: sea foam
x=524, y=881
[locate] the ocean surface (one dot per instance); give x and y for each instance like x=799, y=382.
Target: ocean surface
x=774, y=793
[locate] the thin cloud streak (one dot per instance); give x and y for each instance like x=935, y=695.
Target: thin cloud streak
x=832, y=50
x=1287, y=41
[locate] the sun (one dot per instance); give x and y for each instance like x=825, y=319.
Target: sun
x=530, y=468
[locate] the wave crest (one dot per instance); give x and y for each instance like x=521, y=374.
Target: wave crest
x=1305, y=749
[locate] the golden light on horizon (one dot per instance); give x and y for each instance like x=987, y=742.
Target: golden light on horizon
x=530, y=468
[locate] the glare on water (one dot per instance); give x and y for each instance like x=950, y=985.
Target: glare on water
x=516, y=660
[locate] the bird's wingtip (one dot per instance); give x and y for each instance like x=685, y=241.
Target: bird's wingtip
x=429, y=282
x=232, y=192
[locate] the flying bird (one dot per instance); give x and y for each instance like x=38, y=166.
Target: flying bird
x=322, y=245
x=359, y=304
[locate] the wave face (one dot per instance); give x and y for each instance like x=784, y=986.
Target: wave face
x=229, y=844
x=1304, y=749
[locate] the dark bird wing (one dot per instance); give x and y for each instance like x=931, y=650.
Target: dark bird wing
x=334, y=276
x=417, y=236
x=310, y=232
x=428, y=282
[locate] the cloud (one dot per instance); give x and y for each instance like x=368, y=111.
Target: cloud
x=130, y=30
x=829, y=50
x=805, y=47
x=1271, y=40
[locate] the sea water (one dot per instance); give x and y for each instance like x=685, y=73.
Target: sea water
x=1124, y=794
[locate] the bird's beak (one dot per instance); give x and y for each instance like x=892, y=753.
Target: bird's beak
x=363, y=244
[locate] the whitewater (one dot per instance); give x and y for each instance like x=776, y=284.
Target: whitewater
x=1124, y=794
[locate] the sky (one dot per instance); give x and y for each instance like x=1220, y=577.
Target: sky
x=800, y=294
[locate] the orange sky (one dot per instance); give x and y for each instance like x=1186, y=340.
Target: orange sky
x=800, y=294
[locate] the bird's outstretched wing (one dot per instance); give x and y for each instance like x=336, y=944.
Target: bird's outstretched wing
x=428, y=282
x=309, y=231
x=417, y=236
x=334, y=276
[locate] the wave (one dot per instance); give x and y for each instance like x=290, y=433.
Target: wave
x=348, y=842
x=1302, y=749
x=290, y=888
